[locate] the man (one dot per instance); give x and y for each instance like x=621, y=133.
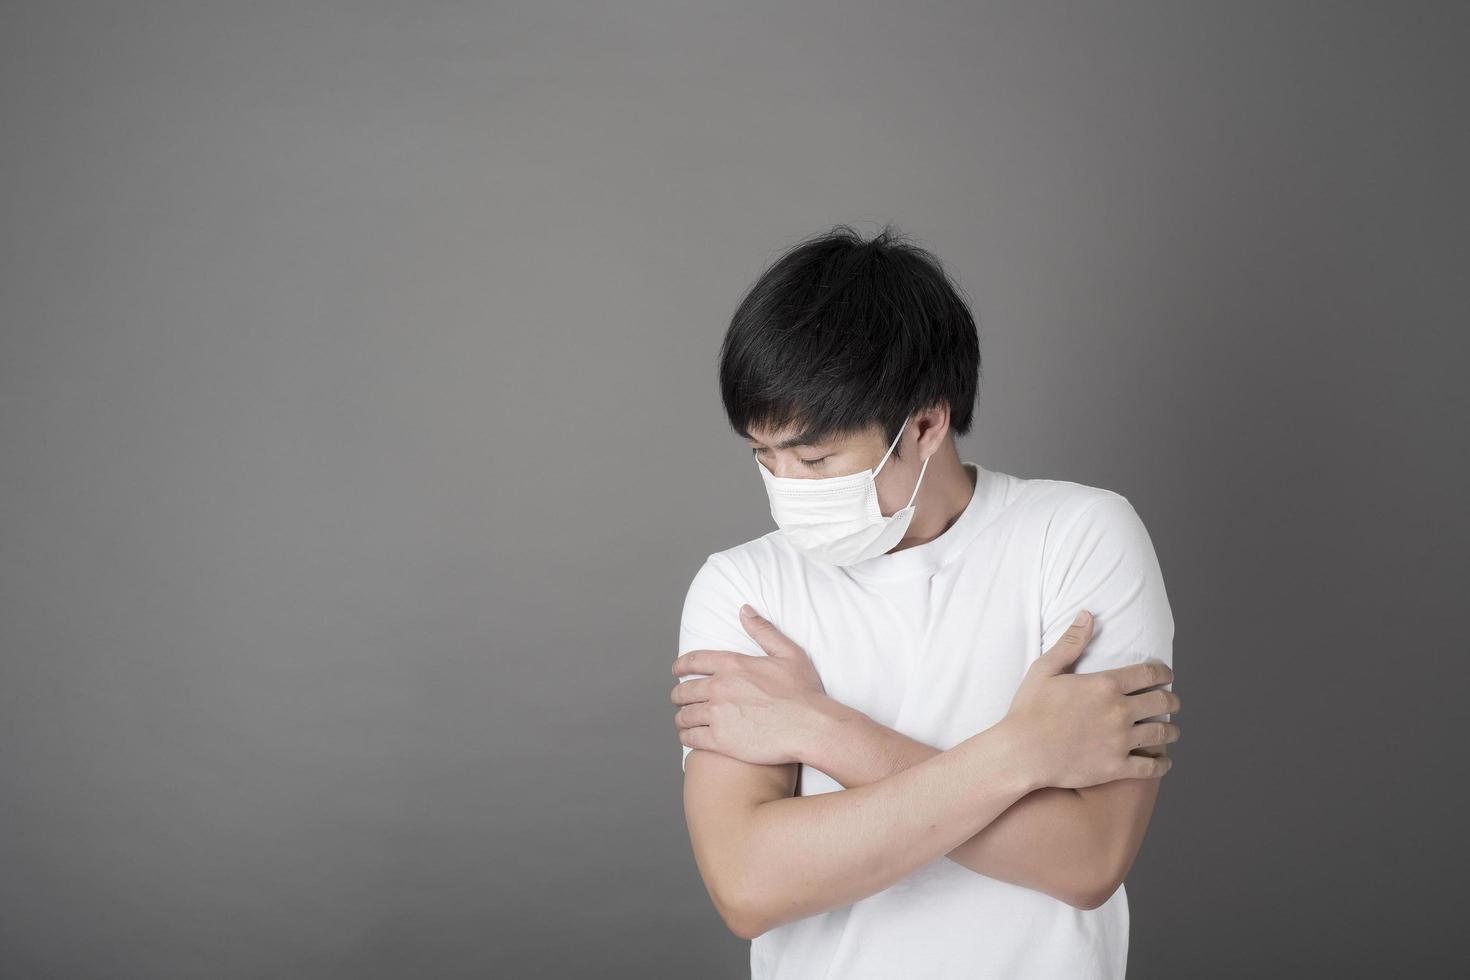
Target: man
x=906, y=754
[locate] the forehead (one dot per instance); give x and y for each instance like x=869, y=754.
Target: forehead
x=797, y=436
x=788, y=437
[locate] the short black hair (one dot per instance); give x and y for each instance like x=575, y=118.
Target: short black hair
x=839, y=333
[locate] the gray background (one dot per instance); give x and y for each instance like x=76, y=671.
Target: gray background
x=359, y=437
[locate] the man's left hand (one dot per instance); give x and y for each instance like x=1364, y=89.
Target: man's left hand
x=763, y=710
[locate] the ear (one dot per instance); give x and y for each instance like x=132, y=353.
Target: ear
x=932, y=425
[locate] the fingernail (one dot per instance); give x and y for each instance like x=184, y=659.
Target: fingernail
x=746, y=610
x=1082, y=618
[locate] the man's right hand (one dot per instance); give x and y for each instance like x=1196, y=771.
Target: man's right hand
x=1080, y=729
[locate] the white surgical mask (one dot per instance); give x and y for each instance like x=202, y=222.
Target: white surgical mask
x=837, y=520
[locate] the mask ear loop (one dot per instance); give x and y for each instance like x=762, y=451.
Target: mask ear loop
x=915, y=494
x=884, y=461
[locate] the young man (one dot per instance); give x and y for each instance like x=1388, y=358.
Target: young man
x=908, y=755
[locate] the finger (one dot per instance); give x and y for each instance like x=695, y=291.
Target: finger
x=1148, y=767
x=1136, y=677
x=1151, y=703
x=689, y=690
x=697, y=738
x=1146, y=734
x=703, y=661
x=1066, y=650
x=693, y=715
x=764, y=632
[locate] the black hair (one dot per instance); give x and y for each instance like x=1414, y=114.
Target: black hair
x=839, y=333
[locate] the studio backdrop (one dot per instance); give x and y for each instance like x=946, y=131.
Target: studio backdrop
x=360, y=436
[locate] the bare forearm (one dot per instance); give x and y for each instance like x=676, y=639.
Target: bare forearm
x=1048, y=841
x=808, y=854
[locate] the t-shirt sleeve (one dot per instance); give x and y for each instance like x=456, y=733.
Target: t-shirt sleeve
x=1104, y=561
x=711, y=617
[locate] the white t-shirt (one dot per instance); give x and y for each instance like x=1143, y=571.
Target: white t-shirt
x=933, y=641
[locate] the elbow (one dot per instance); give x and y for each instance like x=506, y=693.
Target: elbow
x=739, y=900
x=1088, y=899
x=1096, y=889
x=745, y=929
x=744, y=911
x=742, y=916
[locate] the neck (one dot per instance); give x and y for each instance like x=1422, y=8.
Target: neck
x=944, y=495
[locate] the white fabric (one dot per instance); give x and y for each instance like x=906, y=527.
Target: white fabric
x=933, y=641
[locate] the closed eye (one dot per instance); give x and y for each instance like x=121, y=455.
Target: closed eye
x=757, y=450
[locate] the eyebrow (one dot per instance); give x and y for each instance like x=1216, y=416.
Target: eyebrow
x=808, y=438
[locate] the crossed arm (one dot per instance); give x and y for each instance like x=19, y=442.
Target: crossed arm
x=768, y=857
x=1076, y=845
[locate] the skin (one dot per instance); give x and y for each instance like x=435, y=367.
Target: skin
x=1037, y=815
